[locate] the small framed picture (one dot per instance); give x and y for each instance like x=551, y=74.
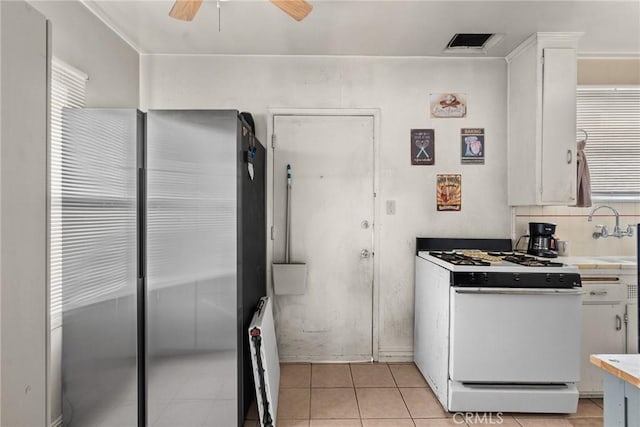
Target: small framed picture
x=449, y=192
x=472, y=146
x=448, y=105
x=423, y=150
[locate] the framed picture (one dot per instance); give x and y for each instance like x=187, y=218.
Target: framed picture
x=448, y=105
x=472, y=146
x=449, y=192
x=423, y=147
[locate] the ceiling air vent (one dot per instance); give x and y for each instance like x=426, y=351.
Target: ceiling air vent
x=472, y=43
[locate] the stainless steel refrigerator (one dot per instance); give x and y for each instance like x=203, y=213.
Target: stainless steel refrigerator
x=200, y=240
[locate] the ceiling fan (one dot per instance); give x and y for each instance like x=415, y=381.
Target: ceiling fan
x=185, y=10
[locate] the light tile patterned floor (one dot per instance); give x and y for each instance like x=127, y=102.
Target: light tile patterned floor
x=387, y=395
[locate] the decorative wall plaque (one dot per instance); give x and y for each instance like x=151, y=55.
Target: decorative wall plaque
x=448, y=105
x=449, y=192
x=423, y=150
x=472, y=146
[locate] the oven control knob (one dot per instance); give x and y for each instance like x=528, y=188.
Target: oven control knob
x=516, y=277
x=548, y=278
x=485, y=277
x=561, y=278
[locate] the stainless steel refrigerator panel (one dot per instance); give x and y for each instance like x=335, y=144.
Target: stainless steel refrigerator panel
x=93, y=232
x=191, y=268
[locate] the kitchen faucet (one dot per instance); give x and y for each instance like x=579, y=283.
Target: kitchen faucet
x=617, y=231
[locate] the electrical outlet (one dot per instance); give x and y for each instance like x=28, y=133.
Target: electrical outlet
x=391, y=207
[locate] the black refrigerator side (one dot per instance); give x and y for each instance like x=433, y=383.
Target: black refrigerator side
x=141, y=290
x=251, y=252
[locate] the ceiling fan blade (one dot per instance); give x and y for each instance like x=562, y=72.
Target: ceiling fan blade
x=185, y=10
x=297, y=9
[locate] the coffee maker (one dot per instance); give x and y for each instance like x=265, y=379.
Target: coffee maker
x=542, y=242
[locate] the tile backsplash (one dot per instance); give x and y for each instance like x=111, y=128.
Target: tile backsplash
x=572, y=225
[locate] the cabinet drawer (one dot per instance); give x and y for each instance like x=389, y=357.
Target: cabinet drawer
x=604, y=292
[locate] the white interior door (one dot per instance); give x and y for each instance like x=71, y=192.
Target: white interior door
x=332, y=209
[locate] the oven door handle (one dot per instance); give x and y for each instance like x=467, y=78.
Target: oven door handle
x=481, y=291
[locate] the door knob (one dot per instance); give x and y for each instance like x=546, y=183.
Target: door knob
x=365, y=224
x=364, y=253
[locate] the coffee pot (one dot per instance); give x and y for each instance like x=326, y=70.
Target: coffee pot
x=542, y=241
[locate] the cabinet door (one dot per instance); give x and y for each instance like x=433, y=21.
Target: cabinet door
x=602, y=332
x=559, y=126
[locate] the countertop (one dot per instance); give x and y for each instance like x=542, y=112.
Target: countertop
x=614, y=262
x=624, y=366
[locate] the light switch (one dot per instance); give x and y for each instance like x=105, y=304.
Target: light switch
x=391, y=207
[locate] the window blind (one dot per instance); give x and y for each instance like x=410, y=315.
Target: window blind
x=611, y=119
x=67, y=91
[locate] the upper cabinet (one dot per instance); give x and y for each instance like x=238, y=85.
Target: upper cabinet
x=542, y=75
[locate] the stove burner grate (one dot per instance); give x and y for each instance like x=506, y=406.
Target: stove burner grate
x=530, y=261
x=458, y=259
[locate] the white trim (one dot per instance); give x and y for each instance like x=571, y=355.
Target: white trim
x=330, y=359
x=521, y=48
x=239, y=55
x=102, y=16
x=396, y=355
x=47, y=220
x=609, y=55
x=377, y=208
x=542, y=39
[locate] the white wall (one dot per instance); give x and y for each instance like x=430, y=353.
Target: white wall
x=23, y=218
x=83, y=41
x=399, y=87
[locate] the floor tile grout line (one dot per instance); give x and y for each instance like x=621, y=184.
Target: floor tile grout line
x=310, y=391
x=355, y=393
x=393, y=377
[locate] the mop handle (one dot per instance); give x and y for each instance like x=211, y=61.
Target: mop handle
x=287, y=243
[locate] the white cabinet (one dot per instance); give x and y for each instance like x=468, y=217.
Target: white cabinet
x=604, y=332
x=609, y=323
x=542, y=78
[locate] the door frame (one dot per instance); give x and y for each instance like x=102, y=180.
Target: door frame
x=357, y=112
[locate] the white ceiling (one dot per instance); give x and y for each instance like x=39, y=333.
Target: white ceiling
x=364, y=27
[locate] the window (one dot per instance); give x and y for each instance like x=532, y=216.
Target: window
x=611, y=119
x=67, y=91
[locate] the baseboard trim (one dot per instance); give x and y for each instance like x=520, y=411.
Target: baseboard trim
x=395, y=356
x=325, y=359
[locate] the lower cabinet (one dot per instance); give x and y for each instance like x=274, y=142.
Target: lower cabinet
x=607, y=328
x=603, y=333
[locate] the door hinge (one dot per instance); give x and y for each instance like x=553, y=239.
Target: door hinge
x=626, y=318
x=273, y=140
x=272, y=233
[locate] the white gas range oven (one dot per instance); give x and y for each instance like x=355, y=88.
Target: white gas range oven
x=496, y=331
